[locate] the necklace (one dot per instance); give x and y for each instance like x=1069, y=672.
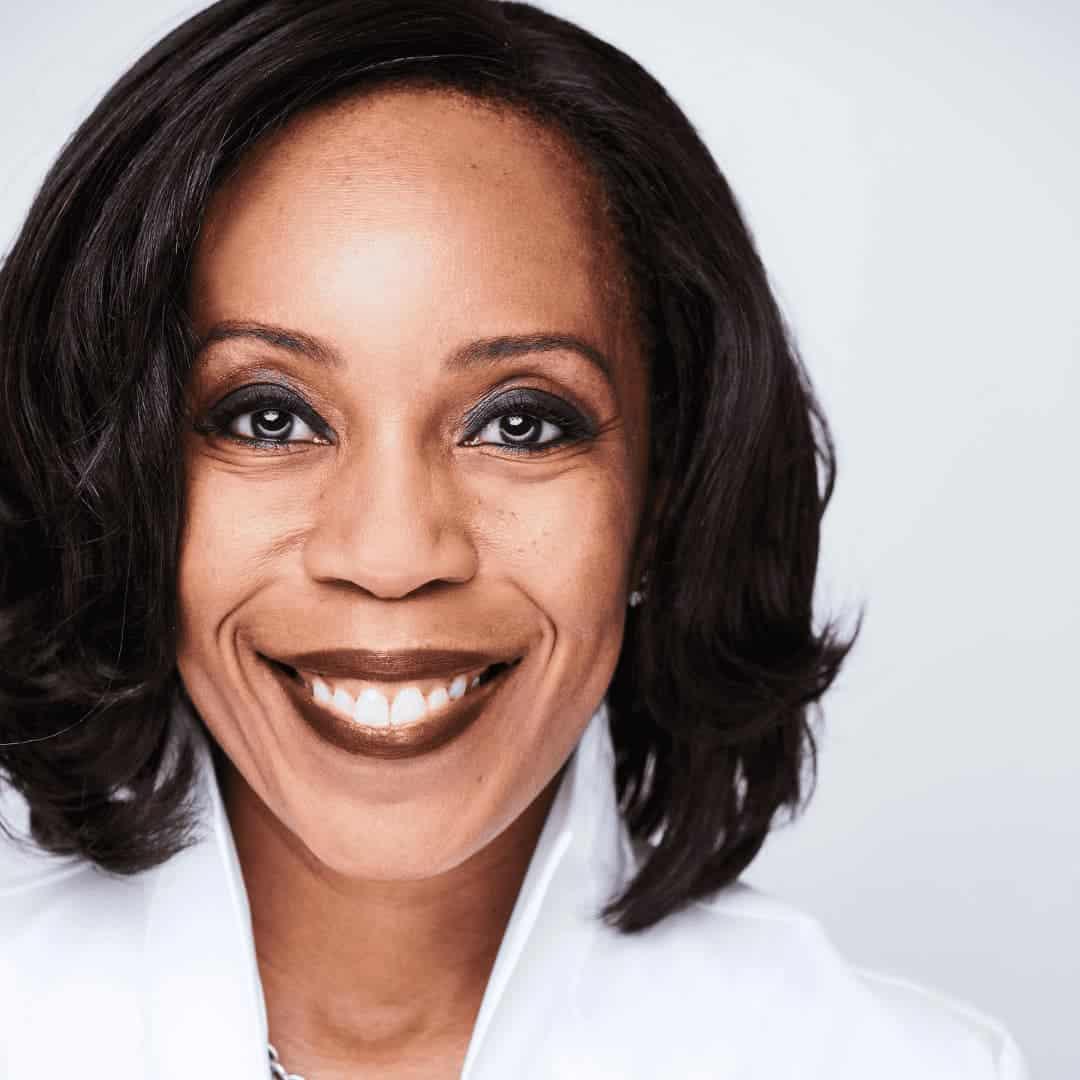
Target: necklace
x=277, y=1070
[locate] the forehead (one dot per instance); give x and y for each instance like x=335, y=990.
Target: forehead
x=414, y=199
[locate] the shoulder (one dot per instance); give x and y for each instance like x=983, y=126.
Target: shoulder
x=26, y=871
x=940, y=1020
x=70, y=945
x=58, y=911
x=755, y=986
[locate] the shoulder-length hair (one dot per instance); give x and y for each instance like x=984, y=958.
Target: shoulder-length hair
x=720, y=665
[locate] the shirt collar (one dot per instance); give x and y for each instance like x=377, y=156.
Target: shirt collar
x=200, y=918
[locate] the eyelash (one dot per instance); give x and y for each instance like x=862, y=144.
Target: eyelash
x=532, y=404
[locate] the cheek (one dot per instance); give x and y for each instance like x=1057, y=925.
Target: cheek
x=568, y=543
x=233, y=525
x=560, y=540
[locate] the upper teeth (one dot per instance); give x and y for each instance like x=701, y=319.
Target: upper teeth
x=371, y=706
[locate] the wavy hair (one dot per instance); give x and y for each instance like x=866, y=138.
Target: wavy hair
x=721, y=667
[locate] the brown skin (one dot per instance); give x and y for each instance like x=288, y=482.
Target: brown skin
x=393, y=229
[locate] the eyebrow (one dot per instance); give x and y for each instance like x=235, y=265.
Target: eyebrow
x=482, y=353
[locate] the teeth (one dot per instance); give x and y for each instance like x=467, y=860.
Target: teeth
x=372, y=709
x=409, y=705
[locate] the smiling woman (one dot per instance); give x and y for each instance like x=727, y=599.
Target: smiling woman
x=418, y=425
x=409, y=505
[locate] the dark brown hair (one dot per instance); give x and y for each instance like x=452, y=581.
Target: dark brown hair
x=711, y=698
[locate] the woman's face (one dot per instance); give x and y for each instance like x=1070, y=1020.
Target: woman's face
x=415, y=484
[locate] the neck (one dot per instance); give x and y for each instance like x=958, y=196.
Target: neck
x=374, y=972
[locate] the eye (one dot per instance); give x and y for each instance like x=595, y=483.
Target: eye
x=265, y=414
x=520, y=429
x=528, y=422
x=270, y=425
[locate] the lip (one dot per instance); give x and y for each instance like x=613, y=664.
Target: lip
x=376, y=665
x=410, y=741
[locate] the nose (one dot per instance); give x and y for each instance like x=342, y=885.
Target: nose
x=389, y=522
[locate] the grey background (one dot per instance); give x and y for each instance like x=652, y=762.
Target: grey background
x=910, y=171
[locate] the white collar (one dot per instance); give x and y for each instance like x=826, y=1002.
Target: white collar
x=198, y=930
x=155, y=975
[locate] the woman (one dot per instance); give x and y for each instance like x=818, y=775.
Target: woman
x=410, y=520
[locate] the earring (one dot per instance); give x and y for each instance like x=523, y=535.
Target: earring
x=639, y=594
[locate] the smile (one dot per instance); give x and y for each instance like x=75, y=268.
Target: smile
x=390, y=719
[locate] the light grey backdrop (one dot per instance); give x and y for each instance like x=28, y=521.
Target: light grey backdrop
x=911, y=174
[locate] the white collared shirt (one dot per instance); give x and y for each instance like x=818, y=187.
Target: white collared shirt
x=154, y=977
